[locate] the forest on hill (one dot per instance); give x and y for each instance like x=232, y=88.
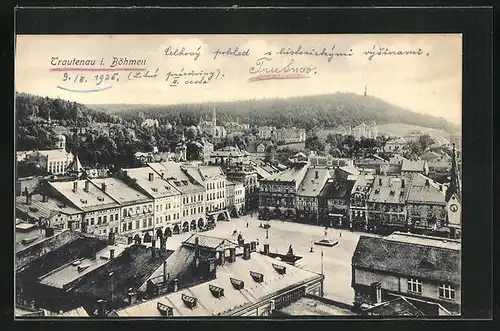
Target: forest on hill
x=309, y=112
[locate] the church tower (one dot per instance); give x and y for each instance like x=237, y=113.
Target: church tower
x=214, y=123
x=455, y=187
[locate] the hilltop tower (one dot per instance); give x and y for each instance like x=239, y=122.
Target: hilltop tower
x=366, y=90
x=455, y=187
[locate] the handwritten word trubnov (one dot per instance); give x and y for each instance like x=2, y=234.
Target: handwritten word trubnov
x=262, y=66
x=169, y=51
x=232, y=52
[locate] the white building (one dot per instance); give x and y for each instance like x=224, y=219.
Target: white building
x=54, y=161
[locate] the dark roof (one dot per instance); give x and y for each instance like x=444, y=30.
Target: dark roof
x=337, y=189
x=76, y=249
x=395, y=307
x=130, y=270
x=413, y=166
x=409, y=259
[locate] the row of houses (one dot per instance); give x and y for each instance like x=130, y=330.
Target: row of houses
x=346, y=196
x=283, y=135
x=159, y=199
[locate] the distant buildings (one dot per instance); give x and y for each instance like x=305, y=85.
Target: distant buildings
x=290, y=135
x=227, y=156
x=266, y=132
x=235, y=198
x=423, y=270
x=398, y=145
x=54, y=161
x=364, y=131
x=211, y=128
x=150, y=123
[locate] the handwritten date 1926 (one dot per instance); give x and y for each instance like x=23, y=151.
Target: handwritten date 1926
x=97, y=79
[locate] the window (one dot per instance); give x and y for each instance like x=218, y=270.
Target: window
x=415, y=286
x=99, y=220
x=446, y=292
x=130, y=226
x=137, y=224
x=144, y=223
x=92, y=221
x=124, y=227
x=150, y=221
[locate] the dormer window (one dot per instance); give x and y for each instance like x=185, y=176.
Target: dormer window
x=377, y=191
x=237, y=284
x=190, y=302
x=83, y=201
x=164, y=309
x=100, y=198
x=279, y=268
x=216, y=291
x=154, y=189
x=392, y=192
x=258, y=277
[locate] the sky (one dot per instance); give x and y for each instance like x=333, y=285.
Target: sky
x=429, y=83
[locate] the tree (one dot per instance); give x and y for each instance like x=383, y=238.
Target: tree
x=191, y=133
x=270, y=154
x=194, y=151
x=315, y=144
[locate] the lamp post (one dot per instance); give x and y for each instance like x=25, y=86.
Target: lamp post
x=267, y=233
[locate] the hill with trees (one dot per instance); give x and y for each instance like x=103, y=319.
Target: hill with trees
x=310, y=112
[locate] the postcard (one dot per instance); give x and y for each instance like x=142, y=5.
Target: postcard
x=229, y=175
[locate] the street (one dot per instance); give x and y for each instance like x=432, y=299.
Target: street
x=336, y=260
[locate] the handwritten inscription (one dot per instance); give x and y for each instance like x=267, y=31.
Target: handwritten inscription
x=182, y=52
x=231, y=52
x=293, y=62
x=384, y=51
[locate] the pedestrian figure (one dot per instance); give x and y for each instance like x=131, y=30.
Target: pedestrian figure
x=326, y=232
x=340, y=234
x=247, y=224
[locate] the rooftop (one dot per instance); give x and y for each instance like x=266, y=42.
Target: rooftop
x=413, y=166
x=39, y=208
x=336, y=189
x=172, y=172
x=129, y=270
x=395, y=307
x=307, y=306
x=93, y=199
x=232, y=299
x=55, y=153
x=209, y=242
x=120, y=191
x=421, y=192
x=157, y=187
x=403, y=254
x=294, y=174
x=313, y=182
x=67, y=274
x=81, y=247
x=389, y=189
x=78, y=312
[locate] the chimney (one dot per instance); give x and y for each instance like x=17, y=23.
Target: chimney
x=49, y=232
x=176, y=285
x=132, y=298
x=427, y=182
x=111, y=238
x=196, y=248
x=103, y=187
x=165, y=272
x=377, y=292
x=253, y=246
x=86, y=189
x=101, y=305
x=111, y=253
x=28, y=198
x=246, y=251
x=380, y=181
x=151, y=176
x=232, y=254
x=75, y=186
x=163, y=243
x=25, y=191
x=441, y=188
x=266, y=249
x=153, y=249
x=316, y=175
x=222, y=257
x=402, y=183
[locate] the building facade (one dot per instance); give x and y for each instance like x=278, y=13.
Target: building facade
x=247, y=174
x=424, y=270
x=308, y=196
